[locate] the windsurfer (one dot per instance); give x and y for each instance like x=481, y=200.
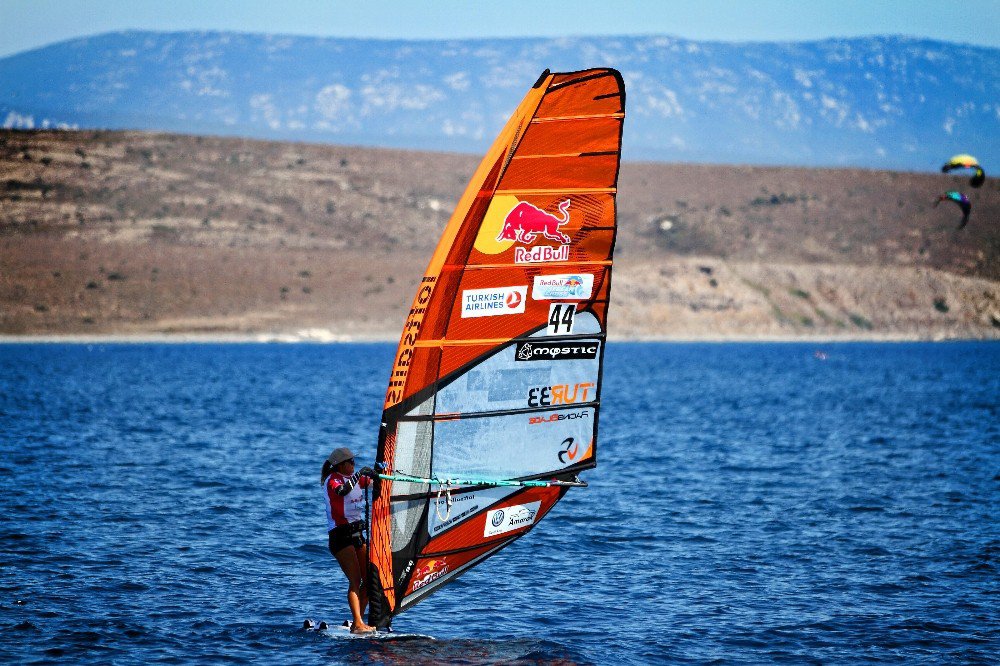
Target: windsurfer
x=344, y=517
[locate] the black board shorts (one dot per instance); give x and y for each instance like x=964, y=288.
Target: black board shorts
x=343, y=536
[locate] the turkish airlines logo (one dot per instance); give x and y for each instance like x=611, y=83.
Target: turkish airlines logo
x=493, y=301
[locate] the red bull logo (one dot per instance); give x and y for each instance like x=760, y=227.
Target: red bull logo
x=428, y=572
x=526, y=222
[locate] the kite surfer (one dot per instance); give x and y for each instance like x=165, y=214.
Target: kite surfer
x=345, y=525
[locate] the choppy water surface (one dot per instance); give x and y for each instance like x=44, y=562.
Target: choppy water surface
x=753, y=503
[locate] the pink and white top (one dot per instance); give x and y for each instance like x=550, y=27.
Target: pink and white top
x=345, y=501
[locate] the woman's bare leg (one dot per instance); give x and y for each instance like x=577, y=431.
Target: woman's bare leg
x=362, y=554
x=348, y=559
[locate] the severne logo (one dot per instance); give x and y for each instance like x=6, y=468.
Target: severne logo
x=493, y=301
x=569, y=450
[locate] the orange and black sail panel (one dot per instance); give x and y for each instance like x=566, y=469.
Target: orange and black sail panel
x=498, y=371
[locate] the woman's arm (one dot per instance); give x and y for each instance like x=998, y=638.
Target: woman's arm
x=347, y=485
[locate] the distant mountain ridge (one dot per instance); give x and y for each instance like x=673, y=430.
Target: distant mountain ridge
x=877, y=102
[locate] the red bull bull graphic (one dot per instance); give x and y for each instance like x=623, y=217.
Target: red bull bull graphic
x=526, y=223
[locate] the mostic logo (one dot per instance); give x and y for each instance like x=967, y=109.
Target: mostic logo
x=556, y=351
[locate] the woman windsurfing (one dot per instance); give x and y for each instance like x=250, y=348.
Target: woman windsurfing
x=345, y=526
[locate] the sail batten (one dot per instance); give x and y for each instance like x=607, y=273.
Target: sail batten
x=556, y=119
x=562, y=190
x=494, y=396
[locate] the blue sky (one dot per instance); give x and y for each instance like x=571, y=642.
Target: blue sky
x=27, y=24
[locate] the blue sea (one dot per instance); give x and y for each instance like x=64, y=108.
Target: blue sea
x=754, y=503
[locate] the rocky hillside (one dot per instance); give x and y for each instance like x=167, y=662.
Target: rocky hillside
x=145, y=234
x=877, y=102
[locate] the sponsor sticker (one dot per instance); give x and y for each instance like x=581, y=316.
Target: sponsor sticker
x=493, y=301
x=510, y=518
x=555, y=418
x=561, y=318
x=540, y=254
x=575, y=287
x=531, y=350
x=559, y=394
x=428, y=572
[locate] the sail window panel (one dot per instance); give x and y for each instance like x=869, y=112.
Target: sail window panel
x=503, y=382
x=583, y=135
x=593, y=96
x=511, y=446
x=553, y=173
x=412, y=456
x=405, y=521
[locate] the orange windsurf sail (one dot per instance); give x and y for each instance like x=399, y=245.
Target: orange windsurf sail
x=493, y=401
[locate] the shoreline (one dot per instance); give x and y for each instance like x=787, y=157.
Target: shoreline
x=285, y=338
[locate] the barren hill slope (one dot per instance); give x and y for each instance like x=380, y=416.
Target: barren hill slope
x=136, y=233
